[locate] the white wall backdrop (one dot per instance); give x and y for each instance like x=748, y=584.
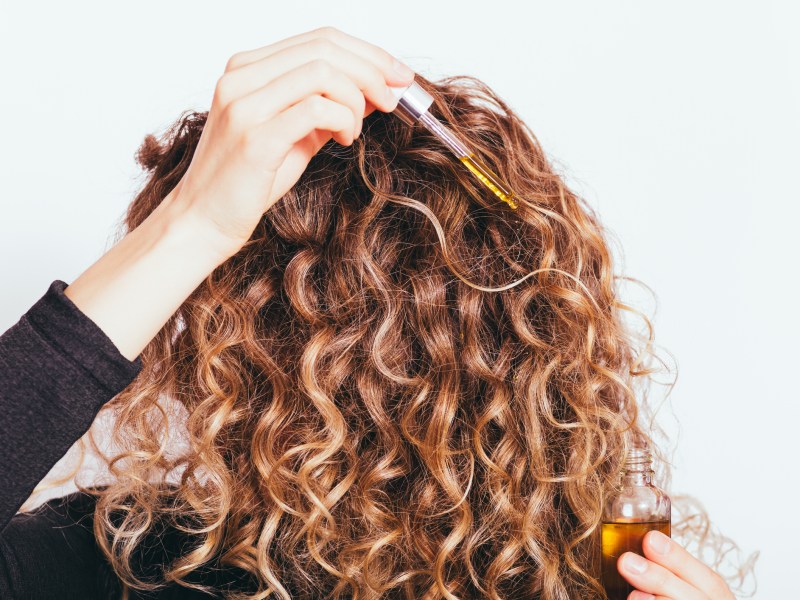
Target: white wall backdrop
x=678, y=121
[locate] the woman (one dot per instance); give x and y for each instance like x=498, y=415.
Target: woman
x=361, y=420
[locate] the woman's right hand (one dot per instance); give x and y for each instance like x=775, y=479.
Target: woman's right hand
x=273, y=109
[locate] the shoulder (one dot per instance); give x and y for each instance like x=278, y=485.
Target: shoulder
x=50, y=552
x=68, y=517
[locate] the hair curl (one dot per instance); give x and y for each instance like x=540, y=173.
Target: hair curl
x=359, y=421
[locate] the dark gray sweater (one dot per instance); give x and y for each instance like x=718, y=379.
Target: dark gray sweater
x=57, y=369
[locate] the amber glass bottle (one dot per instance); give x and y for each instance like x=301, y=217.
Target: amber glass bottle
x=636, y=507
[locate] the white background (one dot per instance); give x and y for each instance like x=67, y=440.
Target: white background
x=678, y=121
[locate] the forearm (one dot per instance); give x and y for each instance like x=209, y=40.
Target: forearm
x=135, y=287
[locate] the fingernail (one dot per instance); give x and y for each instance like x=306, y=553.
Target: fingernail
x=634, y=563
x=402, y=70
x=637, y=595
x=659, y=542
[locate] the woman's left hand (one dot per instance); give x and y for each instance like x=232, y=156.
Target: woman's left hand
x=669, y=572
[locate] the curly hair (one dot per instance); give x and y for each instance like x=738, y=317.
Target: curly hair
x=362, y=419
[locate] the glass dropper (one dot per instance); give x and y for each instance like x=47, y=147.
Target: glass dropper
x=412, y=106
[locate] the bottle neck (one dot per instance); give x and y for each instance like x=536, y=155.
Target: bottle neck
x=637, y=467
x=637, y=477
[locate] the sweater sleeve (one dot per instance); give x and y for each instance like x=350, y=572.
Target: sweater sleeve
x=57, y=369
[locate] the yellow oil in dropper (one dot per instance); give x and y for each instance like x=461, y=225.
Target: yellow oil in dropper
x=489, y=179
x=412, y=106
x=476, y=166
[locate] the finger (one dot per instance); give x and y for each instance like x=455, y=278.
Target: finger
x=268, y=144
x=652, y=578
x=663, y=550
x=314, y=78
x=637, y=595
x=394, y=71
x=246, y=79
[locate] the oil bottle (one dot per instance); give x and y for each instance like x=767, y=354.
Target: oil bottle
x=633, y=509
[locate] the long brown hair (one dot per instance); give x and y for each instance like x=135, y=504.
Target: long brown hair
x=359, y=421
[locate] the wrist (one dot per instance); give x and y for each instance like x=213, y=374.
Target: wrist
x=182, y=222
x=133, y=289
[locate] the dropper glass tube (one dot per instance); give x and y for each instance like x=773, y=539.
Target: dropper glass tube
x=412, y=106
